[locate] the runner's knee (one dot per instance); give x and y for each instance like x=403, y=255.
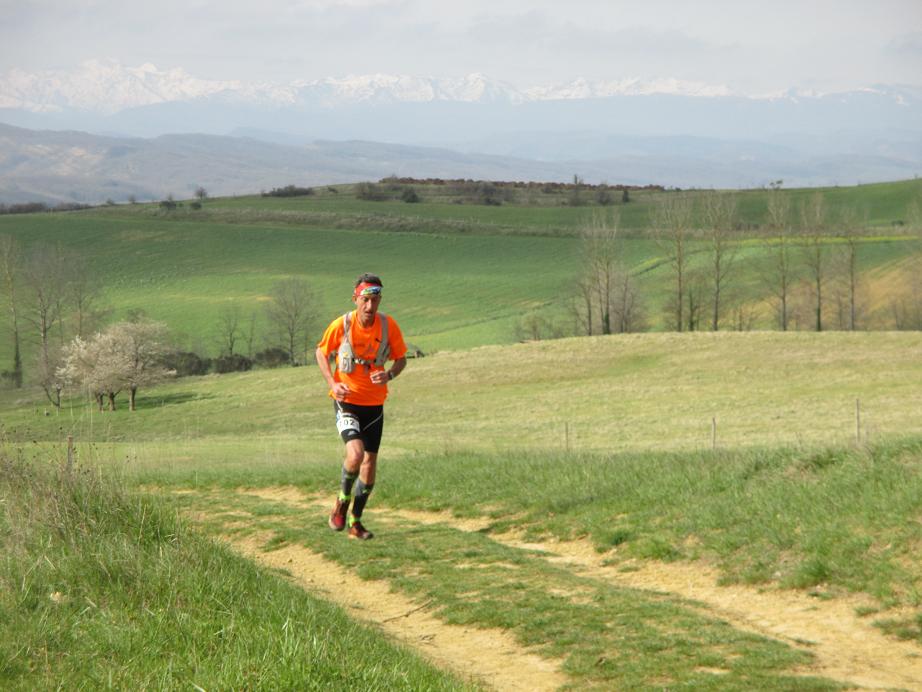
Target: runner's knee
x=355, y=455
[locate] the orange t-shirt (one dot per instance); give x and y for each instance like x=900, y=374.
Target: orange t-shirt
x=362, y=391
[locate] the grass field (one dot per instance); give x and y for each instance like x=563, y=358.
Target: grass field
x=739, y=456
x=459, y=275
x=102, y=590
x=788, y=500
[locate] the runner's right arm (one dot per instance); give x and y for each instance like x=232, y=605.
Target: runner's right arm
x=339, y=389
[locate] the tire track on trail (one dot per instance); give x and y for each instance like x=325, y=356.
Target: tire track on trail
x=844, y=646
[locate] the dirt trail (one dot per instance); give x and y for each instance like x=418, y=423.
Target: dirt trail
x=489, y=657
x=845, y=646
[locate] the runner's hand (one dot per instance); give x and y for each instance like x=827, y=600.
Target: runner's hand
x=340, y=391
x=379, y=377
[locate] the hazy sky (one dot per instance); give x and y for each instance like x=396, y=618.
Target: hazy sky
x=750, y=45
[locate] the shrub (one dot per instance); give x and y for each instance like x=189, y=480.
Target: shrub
x=23, y=208
x=485, y=192
x=232, y=363
x=414, y=351
x=187, y=363
x=272, y=357
x=70, y=206
x=289, y=191
x=370, y=192
x=409, y=195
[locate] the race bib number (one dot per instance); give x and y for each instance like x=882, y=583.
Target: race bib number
x=346, y=422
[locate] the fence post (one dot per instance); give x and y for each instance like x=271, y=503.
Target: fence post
x=70, y=453
x=858, y=421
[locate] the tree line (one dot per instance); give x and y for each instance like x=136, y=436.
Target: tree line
x=54, y=309
x=810, y=271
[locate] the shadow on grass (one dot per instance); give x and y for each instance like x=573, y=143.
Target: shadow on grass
x=170, y=400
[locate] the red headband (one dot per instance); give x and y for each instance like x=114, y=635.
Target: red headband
x=367, y=289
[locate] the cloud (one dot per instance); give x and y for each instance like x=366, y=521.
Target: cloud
x=542, y=45
x=908, y=45
x=747, y=45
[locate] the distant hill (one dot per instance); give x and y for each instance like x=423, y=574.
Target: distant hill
x=54, y=166
x=71, y=166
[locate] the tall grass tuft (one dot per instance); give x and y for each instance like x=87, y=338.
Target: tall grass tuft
x=100, y=588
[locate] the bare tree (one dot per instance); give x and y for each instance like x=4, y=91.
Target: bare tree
x=45, y=274
x=582, y=304
x=627, y=305
x=250, y=334
x=606, y=293
x=911, y=305
x=744, y=317
x=535, y=325
x=576, y=196
x=10, y=257
x=292, y=311
x=229, y=329
x=601, y=250
x=780, y=276
x=850, y=229
x=719, y=214
x=696, y=288
x=672, y=225
x=82, y=293
x=813, y=245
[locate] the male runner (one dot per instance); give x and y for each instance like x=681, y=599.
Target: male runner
x=358, y=388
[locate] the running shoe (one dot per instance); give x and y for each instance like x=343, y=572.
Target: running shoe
x=359, y=531
x=337, y=520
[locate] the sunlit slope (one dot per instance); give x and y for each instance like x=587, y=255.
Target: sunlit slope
x=635, y=392
x=467, y=287
x=457, y=275
x=883, y=205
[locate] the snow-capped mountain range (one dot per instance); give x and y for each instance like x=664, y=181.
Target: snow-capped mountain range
x=238, y=135
x=107, y=87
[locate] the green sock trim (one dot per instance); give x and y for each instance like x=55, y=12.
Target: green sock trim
x=343, y=497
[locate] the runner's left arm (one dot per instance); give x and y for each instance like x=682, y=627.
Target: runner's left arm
x=397, y=367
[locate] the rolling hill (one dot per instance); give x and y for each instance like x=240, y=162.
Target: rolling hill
x=502, y=263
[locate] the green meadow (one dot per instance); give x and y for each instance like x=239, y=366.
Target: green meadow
x=460, y=275
x=604, y=439
x=781, y=461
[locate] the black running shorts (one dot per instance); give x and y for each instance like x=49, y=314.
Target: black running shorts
x=365, y=423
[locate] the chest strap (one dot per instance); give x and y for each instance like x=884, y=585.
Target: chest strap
x=346, y=358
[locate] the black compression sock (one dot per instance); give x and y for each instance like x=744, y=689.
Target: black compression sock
x=345, y=486
x=362, y=492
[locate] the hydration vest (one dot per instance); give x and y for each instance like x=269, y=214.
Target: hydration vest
x=346, y=358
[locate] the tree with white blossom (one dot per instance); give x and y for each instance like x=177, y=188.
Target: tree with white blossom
x=127, y=355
